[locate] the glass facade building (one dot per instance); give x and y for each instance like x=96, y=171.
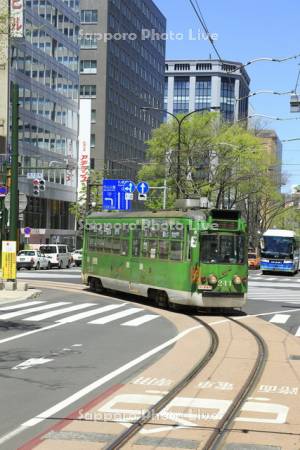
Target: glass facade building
x=121, y=76
x=191, y=85
x=45, y=65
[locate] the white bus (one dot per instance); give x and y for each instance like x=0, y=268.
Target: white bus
x=279, y=251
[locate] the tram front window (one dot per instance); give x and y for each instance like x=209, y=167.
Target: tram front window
x=222, y=249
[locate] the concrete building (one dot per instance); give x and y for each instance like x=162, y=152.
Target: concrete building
x=273, y=147
x=198, y=84
x=45, y=65
x=121, y=70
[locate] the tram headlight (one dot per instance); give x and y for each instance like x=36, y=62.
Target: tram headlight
x=212, y=279
x=237, y=280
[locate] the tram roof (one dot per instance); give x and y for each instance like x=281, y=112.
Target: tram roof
x=199, y=214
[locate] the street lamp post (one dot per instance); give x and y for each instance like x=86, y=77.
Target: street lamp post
x=179, y=122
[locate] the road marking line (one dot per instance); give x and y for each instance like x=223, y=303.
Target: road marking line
x=140, y=320
x=280, y=318
x=9, y=308
x=95, y=385
x=116, y=316
x=27, y=311
x=31, y=362
x=27, y=333
x=298, y=332
x=57, y=312
x=89, y=313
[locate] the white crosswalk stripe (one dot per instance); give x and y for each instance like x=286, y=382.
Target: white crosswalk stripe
x=116, y=316
x=140, y=320
x=280, y=318
x=43, y=313
x=93, y=312
x=298, y=332
x=57, y=312
x=9, y=308
x=30, y=310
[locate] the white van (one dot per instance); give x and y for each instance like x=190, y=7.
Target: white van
x=58, y=255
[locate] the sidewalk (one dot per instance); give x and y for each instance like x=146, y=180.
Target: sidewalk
x=17, y=296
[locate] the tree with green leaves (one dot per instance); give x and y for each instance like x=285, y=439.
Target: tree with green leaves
x=221, y=161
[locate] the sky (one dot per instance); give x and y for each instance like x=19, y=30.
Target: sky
x=245, y=31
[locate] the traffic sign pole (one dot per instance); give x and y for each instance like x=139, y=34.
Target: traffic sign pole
x=14, y=198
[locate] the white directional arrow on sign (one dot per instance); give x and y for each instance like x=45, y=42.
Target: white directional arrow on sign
x=31, y=362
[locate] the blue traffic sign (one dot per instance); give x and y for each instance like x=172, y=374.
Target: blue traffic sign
x=27, y=230
x=143, y=187
x=114, y=195
x=129, y=187
x=3, y=191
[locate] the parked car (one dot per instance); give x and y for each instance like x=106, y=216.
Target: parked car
x=77, y=257
x=58, y=254
x=253, y=260
x=32, y=259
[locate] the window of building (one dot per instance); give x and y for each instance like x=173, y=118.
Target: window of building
x=203, y=93
x=88, y=66
x=93, y=116
x=92, y=163
x=88, y=90
x=88, y=41
x=227, y=98
x=93, y=140
x=181, y=95
x=89, y=16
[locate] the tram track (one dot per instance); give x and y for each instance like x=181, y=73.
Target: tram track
x=218, y=433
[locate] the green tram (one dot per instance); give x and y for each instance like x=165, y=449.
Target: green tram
x=196, y=258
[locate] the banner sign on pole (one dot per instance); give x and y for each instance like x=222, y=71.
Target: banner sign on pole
x=17, y=18
x=9, y=260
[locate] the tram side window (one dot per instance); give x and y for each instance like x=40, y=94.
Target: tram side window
x=149, y=249
x=176, y=250
x=163, y=249
x=136, y=241
x=92, y=243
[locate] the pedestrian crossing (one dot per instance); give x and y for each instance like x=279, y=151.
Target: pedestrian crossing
x=281, y=279
x=46, y=311
x=274, y=294
x=282, y=319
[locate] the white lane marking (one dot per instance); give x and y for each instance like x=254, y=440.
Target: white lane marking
x=27, y=333
x=95, y=385
x=157, y=392
x=22, y=305
x=140, y=320
x=280, y=318
x=31, y=362
x=298, y=332
x=116, y=316
x=57, y=312
x=91, y=387
x=271, y=285
x=30, y=310
x=89, y=313
x=76, y=345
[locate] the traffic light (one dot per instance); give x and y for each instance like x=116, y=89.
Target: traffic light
x=36, y=187
x=42, y=185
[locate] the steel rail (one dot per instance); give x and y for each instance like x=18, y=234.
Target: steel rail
x=128, y=434
x=218, y=435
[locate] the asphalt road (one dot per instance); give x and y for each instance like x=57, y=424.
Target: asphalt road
x=267, y=293
x=40, y=369
x=51, y=350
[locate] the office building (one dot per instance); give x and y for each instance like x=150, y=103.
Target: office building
x=273, y=148
x=220, y=85
x=121, y=70
x=45, y=65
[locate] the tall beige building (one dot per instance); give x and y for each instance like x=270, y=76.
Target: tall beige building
x=273, y=147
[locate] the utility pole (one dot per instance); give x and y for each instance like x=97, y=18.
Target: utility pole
x=14, y=192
